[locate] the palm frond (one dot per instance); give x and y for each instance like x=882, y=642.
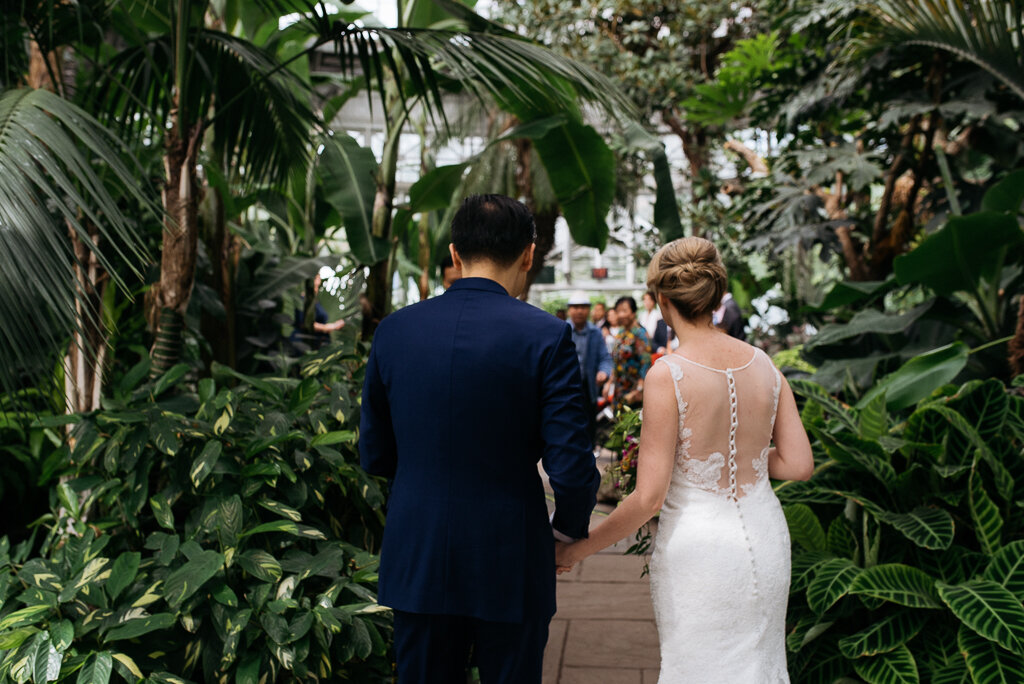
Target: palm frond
x=989, y=33
x=48, y=185
x=502, y=67
x=258, y=109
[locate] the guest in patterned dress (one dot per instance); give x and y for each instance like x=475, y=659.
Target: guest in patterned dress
x=631, y=356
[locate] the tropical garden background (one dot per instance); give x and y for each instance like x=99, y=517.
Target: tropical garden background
x=174, y=173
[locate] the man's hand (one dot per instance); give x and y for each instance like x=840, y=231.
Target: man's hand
x=602, y=378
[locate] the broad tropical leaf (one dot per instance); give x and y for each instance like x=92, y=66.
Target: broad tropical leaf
x=348, y=171
x=581, y=168
x=918, y=377
x=894, y=667
x=989, y=609
x=954, y=259
x=873, y=419
x=804, y=527
x=139, y=626
x=988, y=523
x=867, y=321
x=987, y=661
x=831, y=582
x=1007, y=568
x=48, y=185
x=898, y=583
x=97, y=670
x=883, y=636
x=931, y=528
x=816, y=393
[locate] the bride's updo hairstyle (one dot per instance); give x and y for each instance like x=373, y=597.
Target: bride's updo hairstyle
x=689, y=272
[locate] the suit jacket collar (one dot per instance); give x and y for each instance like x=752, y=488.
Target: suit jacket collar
x=485, y=284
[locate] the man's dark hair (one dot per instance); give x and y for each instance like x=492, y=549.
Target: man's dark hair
x=493, y=227
x=627, y=298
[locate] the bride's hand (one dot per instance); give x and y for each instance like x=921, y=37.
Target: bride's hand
x=564, y=560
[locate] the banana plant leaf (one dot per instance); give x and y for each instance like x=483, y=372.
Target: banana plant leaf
x=347, y=173
x=966, y=251
x=919, y=377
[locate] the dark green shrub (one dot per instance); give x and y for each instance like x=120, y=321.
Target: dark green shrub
x=225, y=535
x=908, y=558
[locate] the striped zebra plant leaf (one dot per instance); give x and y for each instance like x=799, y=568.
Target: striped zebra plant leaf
x=1007, y=568
x=989, y=609
x=988, y=523
x=873, y=419
x=987, y=661
x=898, y=583
x=954, y=673
x=895, y=667
x=930, y=528
x=804, y=567
x=831, y=583
x=884, y=636
x=804, y=527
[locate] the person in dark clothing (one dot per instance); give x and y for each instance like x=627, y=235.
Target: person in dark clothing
x=729, y=318
x=322, y=327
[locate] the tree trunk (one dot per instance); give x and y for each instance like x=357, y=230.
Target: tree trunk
x=695, y=145
x=178, y=256
x=87, y=353
x=1017, y=343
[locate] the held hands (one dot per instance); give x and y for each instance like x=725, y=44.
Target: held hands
x=564, y=557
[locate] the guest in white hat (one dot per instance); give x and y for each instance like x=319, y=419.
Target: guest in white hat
x=595, y=361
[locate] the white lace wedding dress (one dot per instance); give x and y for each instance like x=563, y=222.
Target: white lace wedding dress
x=721, y=560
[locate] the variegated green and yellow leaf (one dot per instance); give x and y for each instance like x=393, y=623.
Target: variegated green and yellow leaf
x=987, y=661
x=1007, y=568
x=831, y=582
x=894, y=667
x=928, y=527
x=989, y=609
x=883, y=636
x=902, y=584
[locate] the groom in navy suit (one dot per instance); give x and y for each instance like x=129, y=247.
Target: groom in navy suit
x=464, y=394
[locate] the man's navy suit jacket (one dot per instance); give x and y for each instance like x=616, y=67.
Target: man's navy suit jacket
x=464, y=394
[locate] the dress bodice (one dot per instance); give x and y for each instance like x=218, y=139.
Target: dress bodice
x=726, y=420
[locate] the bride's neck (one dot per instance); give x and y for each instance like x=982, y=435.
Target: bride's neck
x=690, y=330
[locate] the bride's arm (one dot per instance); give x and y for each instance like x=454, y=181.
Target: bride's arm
x=791, y=457
x=654, y=471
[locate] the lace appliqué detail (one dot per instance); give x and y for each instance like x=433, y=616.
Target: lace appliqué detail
x=705, y=473
x=760, y=471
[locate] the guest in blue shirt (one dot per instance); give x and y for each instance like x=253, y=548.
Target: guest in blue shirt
x=595, y=361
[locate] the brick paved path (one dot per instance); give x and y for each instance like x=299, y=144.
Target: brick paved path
x=604, y=630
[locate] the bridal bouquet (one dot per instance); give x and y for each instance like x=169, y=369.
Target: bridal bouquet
x=624, y=441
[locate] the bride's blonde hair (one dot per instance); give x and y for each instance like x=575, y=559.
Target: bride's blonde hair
x=689, y=272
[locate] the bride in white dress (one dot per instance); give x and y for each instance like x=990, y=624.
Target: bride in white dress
x=713, y=410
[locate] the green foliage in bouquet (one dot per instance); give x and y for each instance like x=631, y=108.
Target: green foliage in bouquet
x=220, y=535
x=908, y=558
x=624, y=441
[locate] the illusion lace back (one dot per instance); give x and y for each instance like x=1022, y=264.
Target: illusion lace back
x=721, y=561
